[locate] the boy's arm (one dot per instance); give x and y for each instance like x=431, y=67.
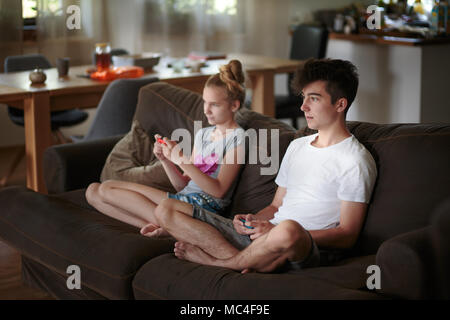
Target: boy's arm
x=260, y=221
x=345, y=235
x=268, y=212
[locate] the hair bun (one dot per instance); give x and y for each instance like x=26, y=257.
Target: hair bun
x=232, y=75
x=232, y=78
x=232, y=72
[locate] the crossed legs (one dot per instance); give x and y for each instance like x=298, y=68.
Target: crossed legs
x=198, y=241
x=202, y=243
x=176, y=218
x=128, y=202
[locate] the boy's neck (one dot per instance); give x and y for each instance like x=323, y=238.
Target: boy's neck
x=331, y=135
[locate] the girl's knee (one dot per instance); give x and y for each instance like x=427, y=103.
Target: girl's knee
x=163, y=212
x=105, y=187
x=92, y=192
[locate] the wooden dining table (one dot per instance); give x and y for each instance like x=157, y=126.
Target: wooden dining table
x=77, y=91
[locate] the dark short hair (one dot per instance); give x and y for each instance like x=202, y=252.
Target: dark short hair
x=341, y=77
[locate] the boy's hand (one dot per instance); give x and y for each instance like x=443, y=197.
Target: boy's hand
x=252, y=227
x=240, y=226
x=260, y=227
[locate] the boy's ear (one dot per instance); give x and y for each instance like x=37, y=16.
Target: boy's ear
x=341, y=105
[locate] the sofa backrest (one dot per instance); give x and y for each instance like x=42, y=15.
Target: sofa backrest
x=163, y=108
x=413, y=162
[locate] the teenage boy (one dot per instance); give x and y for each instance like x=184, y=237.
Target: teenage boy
x=324, y=184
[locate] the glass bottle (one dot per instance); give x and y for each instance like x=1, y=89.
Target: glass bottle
x=102, y=56
x=418, y=7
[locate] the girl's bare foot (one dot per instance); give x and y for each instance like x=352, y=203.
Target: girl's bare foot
x=247, y=270
x=189, y=252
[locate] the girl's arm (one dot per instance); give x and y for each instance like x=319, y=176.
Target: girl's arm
x=217, y=187
x=178, y=180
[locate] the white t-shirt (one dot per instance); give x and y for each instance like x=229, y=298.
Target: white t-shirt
x=317, y=179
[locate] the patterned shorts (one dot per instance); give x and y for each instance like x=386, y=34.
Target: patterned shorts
x=201, y=200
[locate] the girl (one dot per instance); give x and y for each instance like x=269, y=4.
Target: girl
x=210, y=173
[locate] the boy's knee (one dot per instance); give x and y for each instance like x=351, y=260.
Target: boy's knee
x=288, y=234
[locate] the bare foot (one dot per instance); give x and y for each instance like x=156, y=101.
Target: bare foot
x=189, y=252
x=247, y=270
x=154, y=231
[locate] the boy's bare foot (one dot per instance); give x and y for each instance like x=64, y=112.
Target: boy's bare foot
x=154, y=231
x=189, y=252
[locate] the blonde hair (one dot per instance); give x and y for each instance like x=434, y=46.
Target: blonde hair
x=232, y=79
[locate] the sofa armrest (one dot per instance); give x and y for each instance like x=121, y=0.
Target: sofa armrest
x=73, y=166
x=406, y=265
x=441, y=247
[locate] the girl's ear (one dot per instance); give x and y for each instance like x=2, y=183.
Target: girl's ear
x=235, y=105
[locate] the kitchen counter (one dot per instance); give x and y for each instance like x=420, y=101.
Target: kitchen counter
x=388, y=39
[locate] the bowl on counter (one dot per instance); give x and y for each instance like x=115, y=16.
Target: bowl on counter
x=144, y=60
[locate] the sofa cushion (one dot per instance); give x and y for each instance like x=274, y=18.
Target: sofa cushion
x=164, y=108
x=257, y=187
x=36, y=275
x=176, y=278
x=57, y=233
x=132, y=160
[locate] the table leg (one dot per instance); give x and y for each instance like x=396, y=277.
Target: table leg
x=263, y=99
x=37, y=138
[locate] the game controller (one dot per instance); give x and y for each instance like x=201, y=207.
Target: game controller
x=248, y=227
x=161, y=141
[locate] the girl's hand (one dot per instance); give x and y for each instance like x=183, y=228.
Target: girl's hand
x=172, y=151
x=157, y=149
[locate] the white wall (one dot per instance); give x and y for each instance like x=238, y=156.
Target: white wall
x=398, y=83
x=389, y=88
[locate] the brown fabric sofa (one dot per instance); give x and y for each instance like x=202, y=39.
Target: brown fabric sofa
x=405, y=232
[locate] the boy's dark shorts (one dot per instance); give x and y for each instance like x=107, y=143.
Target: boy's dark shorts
x=315, y=257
